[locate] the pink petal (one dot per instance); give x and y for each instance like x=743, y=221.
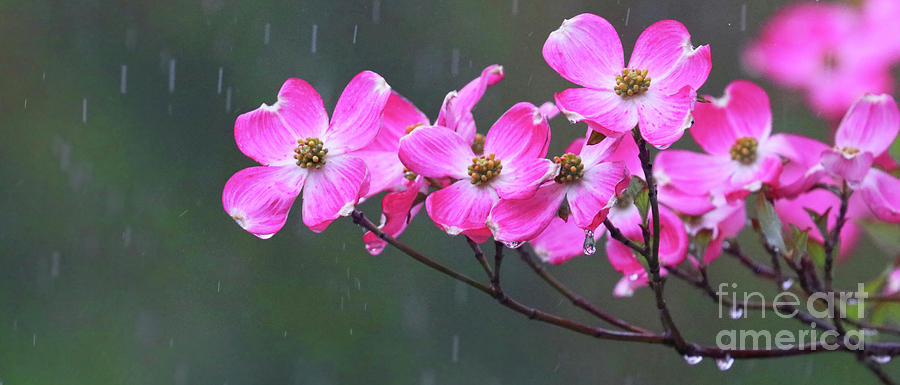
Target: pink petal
x=436, y=152
x=549, y=110
x=399, y=114
x=589, y=199
x=802, y=169
x=793, y=212
x=692, y=173
x=687, y=204
x=385, y=170
x=521, y=179
x=333, y=190
x=885, y=161
x=576, y=145
x=397, y=211
x=892, y=286
x=586, y=50
x=870, y=125
x=743, y=112
x=673, y=240
x=627, y=152
x=556, y=244
x=259, y=198
x=456, y=112
x=665, y=50
x=880, y=192
x=521, y=133
x=622, y=259
x=748, y=178
x=603, y=151
x=269, y=134
x=357, y=115
x=629, y=283
x=853, y=168
x=461, y=207
x=519, y=220
x=604, y=111
x=663, y=118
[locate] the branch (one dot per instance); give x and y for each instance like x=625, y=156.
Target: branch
x=616, y=234
x=576, y=299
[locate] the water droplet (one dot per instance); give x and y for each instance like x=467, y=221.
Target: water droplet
x=589, y=243
x=724, y=363
x=693, y=360
x=736, y=312
x=870, y=332
x=881, y=359
x=84, y=110
x=515, y=7
x=852, y=301
x=219, y=85
x=744, y=17
x=726, y=245
x=454, y=352
x=355, y=30
x=787, y=283
x=315, y=33
x=513, y=245
x=454, y=62
x=123, y=82
x=171, y=75
x=266, y=33
x=627, y=16
x=633, y=277
x=376, y=11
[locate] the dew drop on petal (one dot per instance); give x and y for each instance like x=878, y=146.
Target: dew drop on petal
x=589, y=243
x=692, y=360
x=736, y=312
x=724, y=363
x=881, y=359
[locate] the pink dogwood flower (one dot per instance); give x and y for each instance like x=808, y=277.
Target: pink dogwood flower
x=867, y=130
x=656, y=91
x=723, y=222
x=300, y=150
x=511, y=167
x=802, y=168
x=892, y=283
x=734, y=131
x=673, y=243
x=558, y=242
x=827, y=50
x=880, y=192
x=586, y=182
x=402, y=202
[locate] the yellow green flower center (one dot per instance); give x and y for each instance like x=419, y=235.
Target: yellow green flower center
x=484, y=169
x=310, y=153
x=744, y=150
x=632, y=82
x=409, y=175
x=570, y=168
x=849, y=151
x=478, y=144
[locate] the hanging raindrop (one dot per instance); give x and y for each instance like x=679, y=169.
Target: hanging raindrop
x=736, y=312
x=787, y=283
x=513, y=245
x=693, y=360
x=725, y=363
x=589, y=242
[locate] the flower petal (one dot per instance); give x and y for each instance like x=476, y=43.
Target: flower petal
x=357, y=115
x=259, y=198
x=603, y=110
x=870, y=125
x=621, y=258
x=456, y=112
x=520, y=180
x=692, y=173
x=589, y=199
x=793, y=212
x=665, y=50
x=333, y=190
x=879, y=190
x=521, y=133
x=269, y=134
x=399, y=114
x=853, y=168
x=555, y=244
x=385, y=170
x=663, y=118
x=435, y=152
x=461, y=207
x=586, y=50
x=397, y=211
x=802, y=170
x=673, y=240
x=687, y=204
x=519, y=220
x=742, y=112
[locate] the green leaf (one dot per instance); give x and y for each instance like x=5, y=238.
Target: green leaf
x=798, y=242
x=768, y=222
x=817, y=252
x=642, y=201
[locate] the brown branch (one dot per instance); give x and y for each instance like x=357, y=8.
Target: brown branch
x=616, y=234
x=479, y=255
x=576, y=299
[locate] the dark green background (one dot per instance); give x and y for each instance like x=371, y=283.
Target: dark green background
x=119, y=266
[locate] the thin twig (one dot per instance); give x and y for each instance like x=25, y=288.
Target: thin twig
x=479, y=255
x=616, y=234
x=576, y=299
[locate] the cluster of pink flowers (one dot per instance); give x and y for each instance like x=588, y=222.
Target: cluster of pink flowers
x=832, y=52
x=502, y=185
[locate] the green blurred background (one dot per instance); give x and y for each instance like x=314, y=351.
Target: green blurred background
x=119, y=266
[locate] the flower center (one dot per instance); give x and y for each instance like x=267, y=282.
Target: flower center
x=310, y=153
x=570, y=168
x=412, y=127
x=632, y=82
x=849, y=151
x=484, y=168
x=744, y=150
x=409, y=175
